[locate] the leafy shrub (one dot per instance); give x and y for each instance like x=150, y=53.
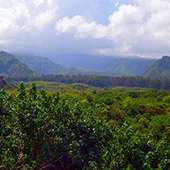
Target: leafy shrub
x=166, y=99
x=133, y=150
x=41, y=132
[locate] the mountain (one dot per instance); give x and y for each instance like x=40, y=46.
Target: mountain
x=160, y=69
x=128, y=66
x=87, y=65
x=42, y=65
x=10, y=66
x=106, y=65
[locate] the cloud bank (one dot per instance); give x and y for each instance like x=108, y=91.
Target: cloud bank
x=18, y=16
x=142, y=28
x=125, y=27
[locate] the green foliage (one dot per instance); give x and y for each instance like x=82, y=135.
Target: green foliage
x=82, y=127
x=41, y=132
x=99, y=81
x=166, y=99
x=134, y=150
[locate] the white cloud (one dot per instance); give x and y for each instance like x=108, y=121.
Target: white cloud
x=43, y=19
x=78, y=24
x=17, y=16
x=117, y=4
x=80, y=27
x=11, y=14
x=49, y=2
x=38, y=2
x=142, y=28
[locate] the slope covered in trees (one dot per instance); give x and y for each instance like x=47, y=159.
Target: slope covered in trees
x=101, y=81
x=10, y=66
x=42, y=65
x=160, y=69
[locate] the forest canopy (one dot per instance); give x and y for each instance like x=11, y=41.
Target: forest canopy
x=42, y=131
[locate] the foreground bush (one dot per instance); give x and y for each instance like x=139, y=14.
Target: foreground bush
x=41, y=132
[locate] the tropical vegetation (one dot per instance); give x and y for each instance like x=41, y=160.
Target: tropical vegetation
x=77, y=126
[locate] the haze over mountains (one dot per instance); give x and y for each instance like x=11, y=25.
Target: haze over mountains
x=29, y=65
x=88, y=65
x=52, y=27
x=112, y=65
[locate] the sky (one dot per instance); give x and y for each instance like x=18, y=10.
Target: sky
x=100, y=27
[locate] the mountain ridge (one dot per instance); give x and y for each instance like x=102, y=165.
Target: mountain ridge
x=43, y=65
x=160, y=69
x=88, y=66
x=26, y=65
x=10, y=66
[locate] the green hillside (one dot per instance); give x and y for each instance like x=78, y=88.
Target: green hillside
x=160, y=69
x=42, y=65
x=132, y=66
x=10, y=66
x=106, y=65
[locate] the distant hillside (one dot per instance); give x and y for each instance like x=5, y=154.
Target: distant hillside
x=94, y=65
x=106, y=65
x=10, y=66
x=128, y=66
x=160, y=69
x=42, y=65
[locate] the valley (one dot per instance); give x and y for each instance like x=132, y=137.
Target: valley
x=84, y=85
x=79, y=121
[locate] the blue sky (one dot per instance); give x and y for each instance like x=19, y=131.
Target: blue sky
x=104, y=27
